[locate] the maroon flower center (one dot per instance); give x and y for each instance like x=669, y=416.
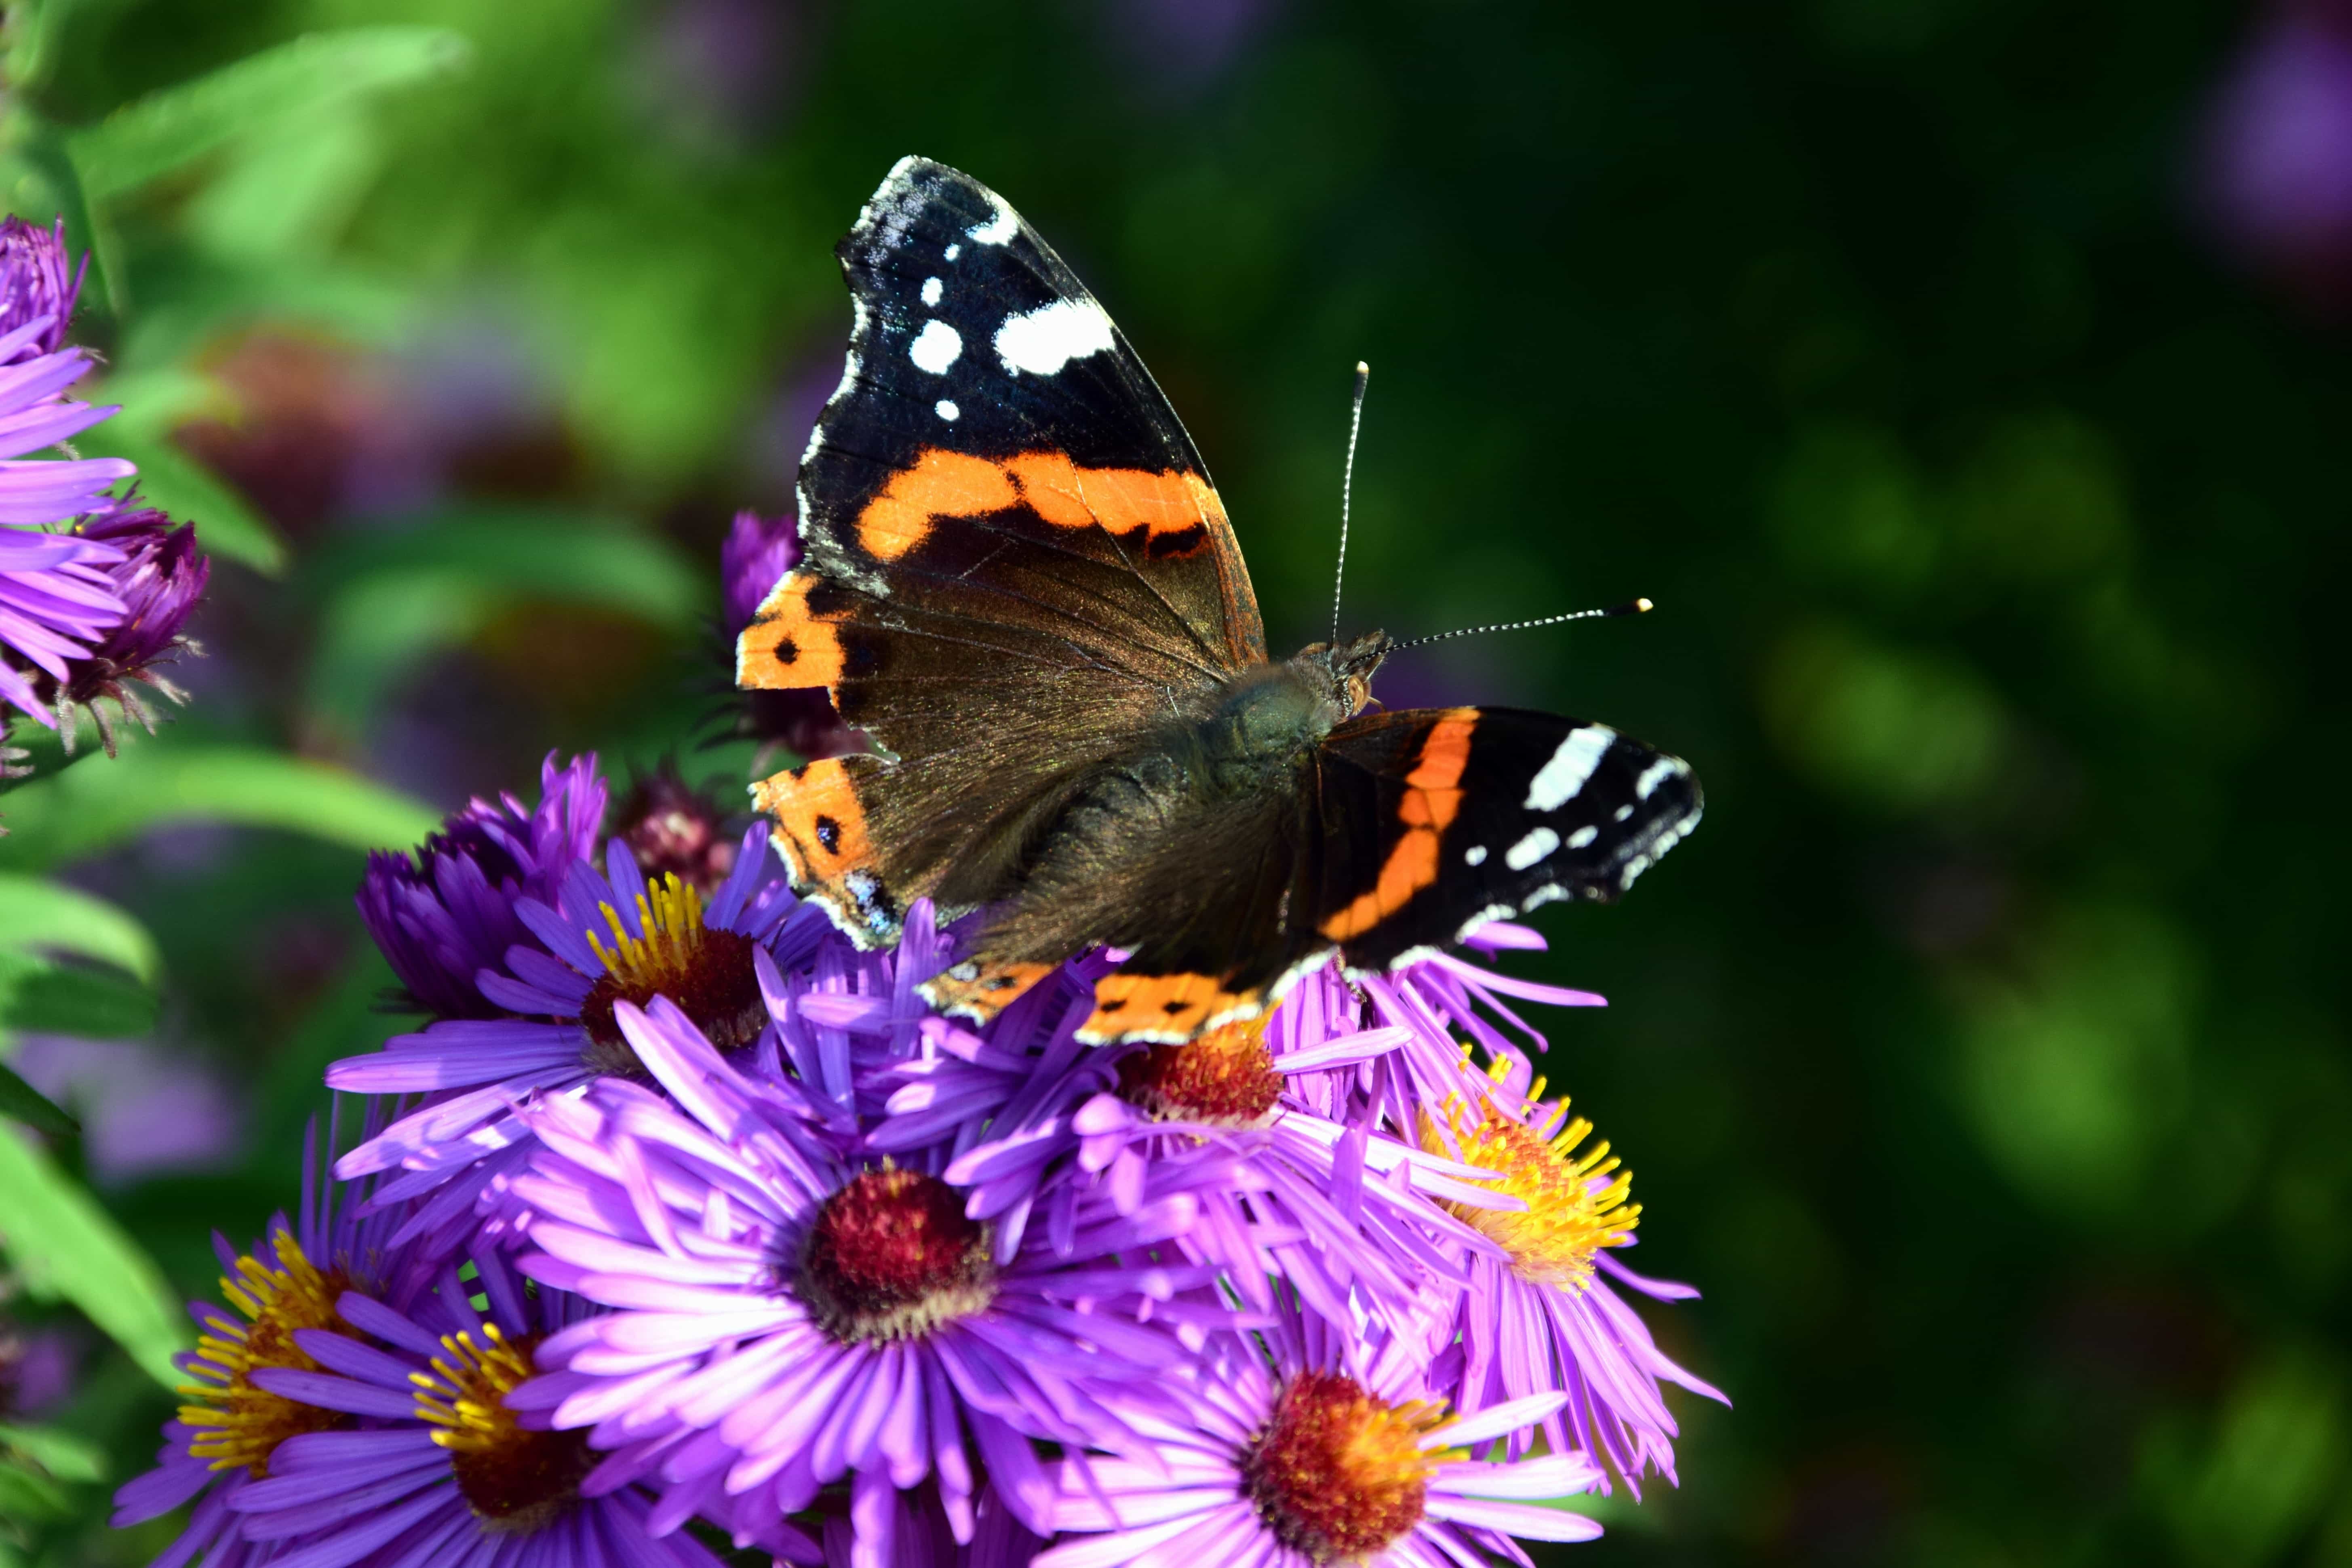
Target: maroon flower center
x=707, y=971
x=892, y=1254
x=1338, y=1474
x=1226, y=1077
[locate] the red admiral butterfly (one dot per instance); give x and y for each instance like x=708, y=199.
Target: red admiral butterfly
x=1017, y=579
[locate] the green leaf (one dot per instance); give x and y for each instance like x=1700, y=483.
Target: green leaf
x=30, y=1106
x=166, y=130
x=34, y=913
x=80, y=813
x=25, y=1494
x=65, y=1244
x=168, y=477
x=62, y=1454
x=77, y=999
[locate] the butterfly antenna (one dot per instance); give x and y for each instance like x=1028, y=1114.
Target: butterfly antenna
x=1346, y=489
x=1635, y=608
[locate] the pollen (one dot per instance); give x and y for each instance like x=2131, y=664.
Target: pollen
x=1576, y=1204
x=235, y=1423
x=1338, y=1473
x=707, y=973
x=515, y=1478
x=892, y=1255
x=1225, y=1078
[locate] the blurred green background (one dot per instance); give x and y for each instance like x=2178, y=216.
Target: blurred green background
x=1965, y=379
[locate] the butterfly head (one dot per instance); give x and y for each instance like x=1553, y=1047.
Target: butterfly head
x=1344, y=670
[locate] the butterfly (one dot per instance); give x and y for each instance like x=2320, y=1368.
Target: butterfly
x=1018, y=581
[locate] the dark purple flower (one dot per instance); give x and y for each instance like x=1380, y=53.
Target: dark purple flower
x=159, y=579
x=449, y=913
x=605, y=940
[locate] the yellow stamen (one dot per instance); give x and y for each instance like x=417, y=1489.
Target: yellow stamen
x=464, y=1396
x=1576, y=1204
x=238, y=1424
x=670, y=914
x=515, y=1478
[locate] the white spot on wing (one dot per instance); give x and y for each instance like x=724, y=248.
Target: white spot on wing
x=1556, y=784
x=1625, y=811
x=945, y=409
x=1583, y=836
x=951, y=252
x=936, y=347
x=932, y=290
x=1043, y=341
x=997, y=229
x=1657, y=774
x=1475, y=855
x=1530, y=849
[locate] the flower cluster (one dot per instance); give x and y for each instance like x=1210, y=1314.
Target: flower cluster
x=683, y=1225
x=94, y=587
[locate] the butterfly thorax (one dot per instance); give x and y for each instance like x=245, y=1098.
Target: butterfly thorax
x=1271, y=712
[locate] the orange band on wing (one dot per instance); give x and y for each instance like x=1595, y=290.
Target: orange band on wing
x=1431, y=801
x=820, y=823
x=1162, y=1007
x=940, y=484
x=1174, y=512
x=786, y=647
x=980, y=992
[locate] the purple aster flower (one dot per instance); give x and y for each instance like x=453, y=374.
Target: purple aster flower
x=605, y=940
x=1339, y=1214
x=1322, y=1447
x=159, y=579
x=438, y=1465
x=924, y=1538
x=37, y=288
x=1539, y=1315
x=446, y=915
x=57, y=596
x=789, y=1313
x=229, y=1435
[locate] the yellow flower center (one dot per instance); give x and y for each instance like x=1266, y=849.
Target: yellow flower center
x=1575, y=1202
x=1339, y=1473
x=515, y=1478
x=707, y=973
x=237, y=1424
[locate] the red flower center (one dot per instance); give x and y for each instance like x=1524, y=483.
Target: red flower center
x=1225, y=1078
x=1338, y=1474
x=892, y=1255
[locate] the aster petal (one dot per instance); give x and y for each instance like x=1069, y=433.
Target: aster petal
x=1522, y=1519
